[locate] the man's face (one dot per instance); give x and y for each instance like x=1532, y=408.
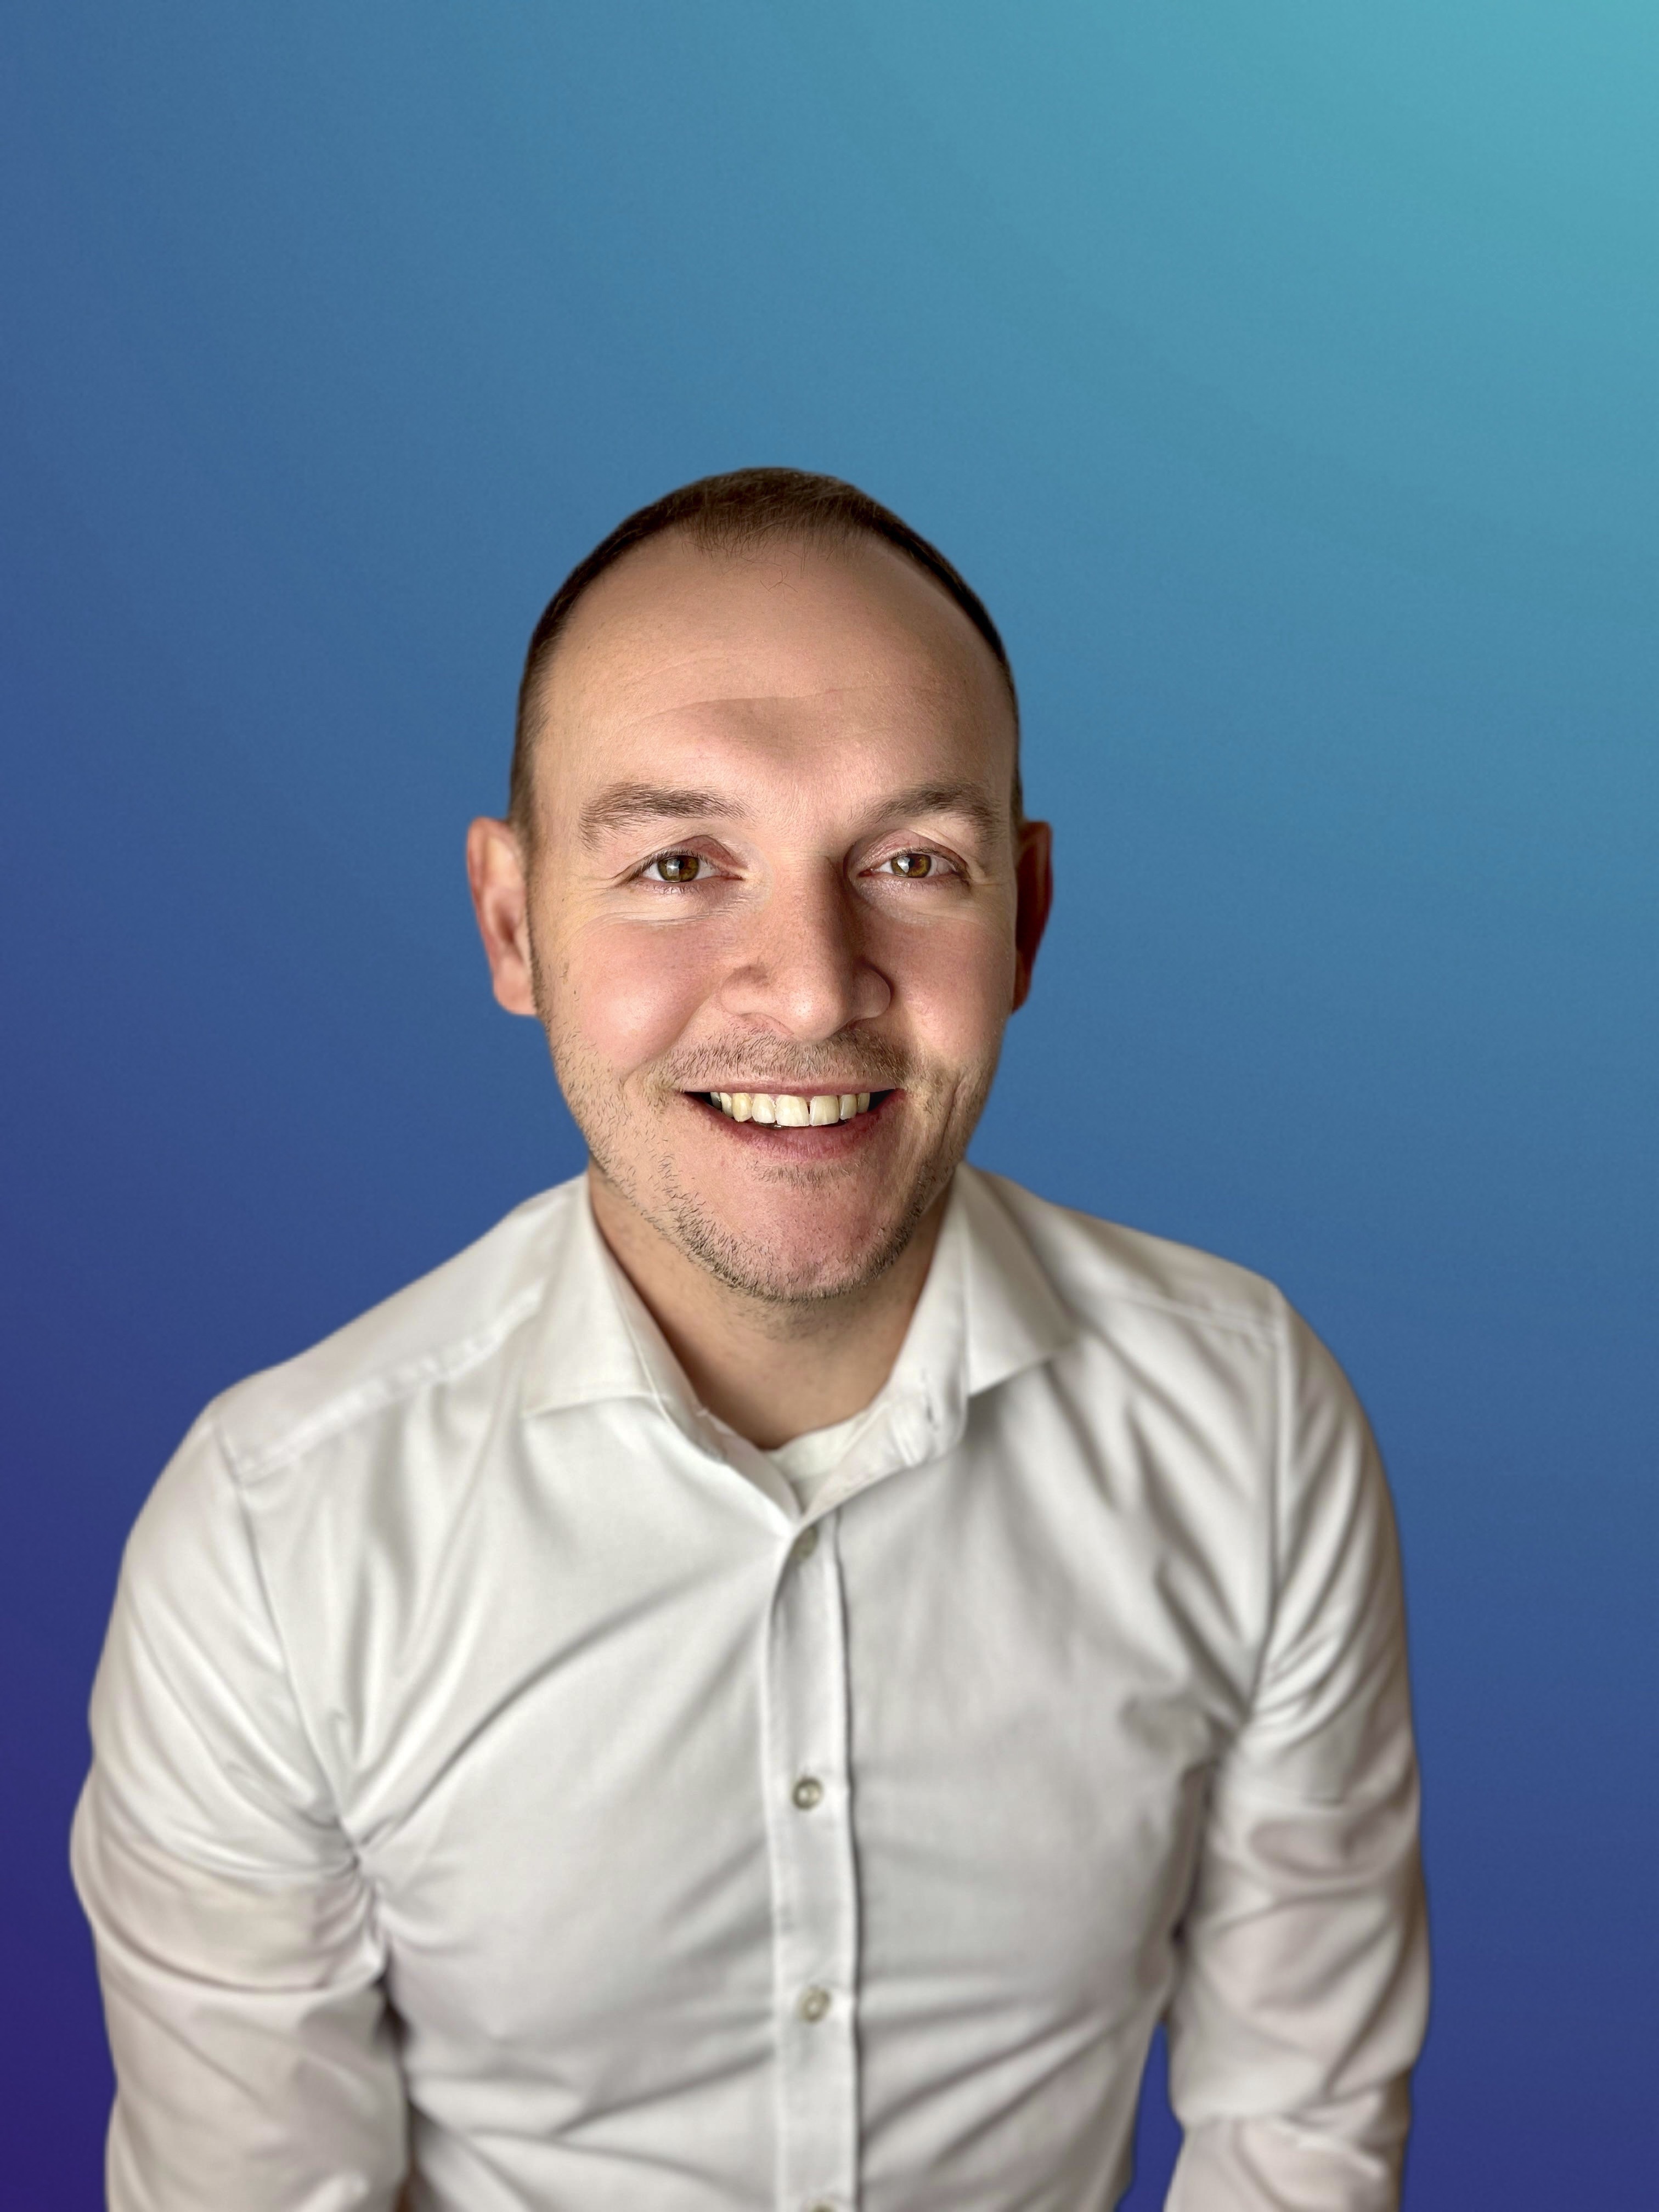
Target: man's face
x=774, y=866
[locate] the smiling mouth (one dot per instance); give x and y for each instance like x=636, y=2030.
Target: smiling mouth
x=790, y=1109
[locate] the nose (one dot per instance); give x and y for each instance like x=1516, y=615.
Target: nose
x=802, y=971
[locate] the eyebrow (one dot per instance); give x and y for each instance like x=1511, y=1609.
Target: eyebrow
x=964, y=798
x=626, y=806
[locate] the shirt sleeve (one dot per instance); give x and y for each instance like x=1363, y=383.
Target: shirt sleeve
x=1301, y=1994
x=236, y=1937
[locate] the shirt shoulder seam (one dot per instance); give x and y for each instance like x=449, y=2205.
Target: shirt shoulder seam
x=377, y=1392
x=1241, y=1324
x=255, y=1561
x=1264, y=1328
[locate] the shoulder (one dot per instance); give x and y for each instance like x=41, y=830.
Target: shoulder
x=1198, y=1332
x=1109, y=1275
x=451, y=1325
x=1210, y=1362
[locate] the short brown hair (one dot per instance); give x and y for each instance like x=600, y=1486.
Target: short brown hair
x=725, y=514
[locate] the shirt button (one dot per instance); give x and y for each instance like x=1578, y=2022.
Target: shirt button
x=814, y=2003
x=807, y=1542
x=808, y=1792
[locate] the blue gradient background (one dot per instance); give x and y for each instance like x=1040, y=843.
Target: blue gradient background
x=1285, y=377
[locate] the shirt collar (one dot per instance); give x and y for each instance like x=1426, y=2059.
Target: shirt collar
x=985, y=1313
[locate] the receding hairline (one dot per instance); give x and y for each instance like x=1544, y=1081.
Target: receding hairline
x=728, y=516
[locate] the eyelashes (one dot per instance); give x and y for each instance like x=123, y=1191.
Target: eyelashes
x=915, y=865
x=675, y=867
x=679, y=868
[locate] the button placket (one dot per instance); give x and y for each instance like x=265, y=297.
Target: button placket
x=815, y=1906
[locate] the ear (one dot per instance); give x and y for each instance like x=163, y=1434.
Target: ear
x=501, y=899
x=1033, y=875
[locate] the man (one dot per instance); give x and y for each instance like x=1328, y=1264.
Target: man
x=760, y=1683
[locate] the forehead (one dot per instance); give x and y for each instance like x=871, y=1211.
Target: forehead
x=824, y=661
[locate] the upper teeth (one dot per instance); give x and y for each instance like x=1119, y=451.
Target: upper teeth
x=787, y=1109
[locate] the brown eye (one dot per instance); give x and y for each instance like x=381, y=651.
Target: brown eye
x=913, y=864
x=677, y=867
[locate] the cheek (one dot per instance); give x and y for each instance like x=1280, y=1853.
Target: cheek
x=955, y=983
x=630, y=993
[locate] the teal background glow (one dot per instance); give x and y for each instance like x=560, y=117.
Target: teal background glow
x=1283, y=376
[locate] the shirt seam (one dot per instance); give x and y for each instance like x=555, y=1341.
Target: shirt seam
x=250, y=1536
x=1263, y=1332
x=1277, y=1483
x=379, y=1392
x=180, y=1707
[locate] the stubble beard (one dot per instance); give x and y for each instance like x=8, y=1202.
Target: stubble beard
x=755, y=1267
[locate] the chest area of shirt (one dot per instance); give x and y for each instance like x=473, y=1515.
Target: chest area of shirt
x=1006, y=1722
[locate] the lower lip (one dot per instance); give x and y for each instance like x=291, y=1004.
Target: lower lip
x=810, y=1143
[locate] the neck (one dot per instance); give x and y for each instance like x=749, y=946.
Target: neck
x=770, y=1369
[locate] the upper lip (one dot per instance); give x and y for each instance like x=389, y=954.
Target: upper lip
x=827, y=1089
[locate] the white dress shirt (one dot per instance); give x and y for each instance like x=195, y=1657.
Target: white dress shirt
x=502, y=1775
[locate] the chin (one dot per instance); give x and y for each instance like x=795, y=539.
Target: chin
x=795, y=1263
